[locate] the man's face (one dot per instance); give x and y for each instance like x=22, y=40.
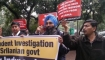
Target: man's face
x=15, y=28
x=49, y=24
x=88, y=29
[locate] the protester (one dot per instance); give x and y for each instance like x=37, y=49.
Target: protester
x=27, y=32
x=50, y=28
x=15, y=27
x=89, y=46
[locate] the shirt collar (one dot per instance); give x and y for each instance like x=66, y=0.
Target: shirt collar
x=97, y=38
x=16, y=34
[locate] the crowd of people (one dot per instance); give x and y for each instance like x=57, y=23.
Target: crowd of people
x=89, y=46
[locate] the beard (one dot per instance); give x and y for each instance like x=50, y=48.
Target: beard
x=49, y=30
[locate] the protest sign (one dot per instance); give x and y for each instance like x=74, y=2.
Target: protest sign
x=69, y=10
x=29, y=48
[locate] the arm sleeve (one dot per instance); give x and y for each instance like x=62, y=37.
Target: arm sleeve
x=70, y=42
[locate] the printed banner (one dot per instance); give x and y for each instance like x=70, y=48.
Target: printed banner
x=29, y=48
x=69, y=9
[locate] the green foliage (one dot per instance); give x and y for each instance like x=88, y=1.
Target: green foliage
x=16, y=9
x=33, y=25
x=46, y=6
x=9, y=17
x=94, y=9
x=6, y=30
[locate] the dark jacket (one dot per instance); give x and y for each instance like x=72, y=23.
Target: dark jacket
x=21, y=33
x=63, y=50
x=86, y=50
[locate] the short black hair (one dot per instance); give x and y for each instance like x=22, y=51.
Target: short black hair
x=15, y=23
x=93, y=23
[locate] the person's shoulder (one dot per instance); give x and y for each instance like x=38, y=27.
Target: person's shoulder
x=79, y=37
x=100, y=37
x=22, y=33
x=59, y=32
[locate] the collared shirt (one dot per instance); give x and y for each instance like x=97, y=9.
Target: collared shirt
x=16, y=34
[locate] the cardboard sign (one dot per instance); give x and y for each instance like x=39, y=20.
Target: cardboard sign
x=22, y=23
x=29, y=48
x=69, y=9
x=42, y=17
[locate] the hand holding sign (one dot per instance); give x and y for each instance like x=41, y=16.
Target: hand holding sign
x=60, y=39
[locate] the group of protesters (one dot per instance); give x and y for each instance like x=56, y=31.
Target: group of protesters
x=89, y=46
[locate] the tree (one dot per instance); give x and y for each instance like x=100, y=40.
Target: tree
x=24, y=8
x=20, y=8
x=47, y=6
x=94, y=9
